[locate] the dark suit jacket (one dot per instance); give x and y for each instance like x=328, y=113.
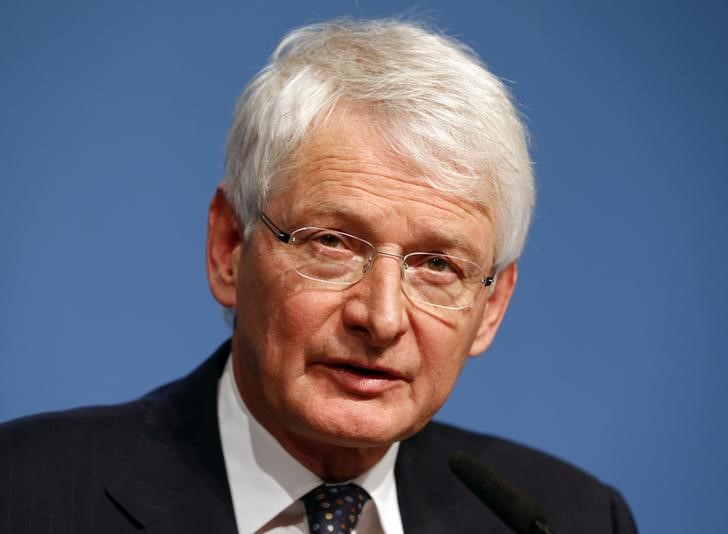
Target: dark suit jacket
x=156, y=465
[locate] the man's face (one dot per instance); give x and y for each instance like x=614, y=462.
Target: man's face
x=363, y=366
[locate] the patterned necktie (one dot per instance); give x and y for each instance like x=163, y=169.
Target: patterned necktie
x=334, y=508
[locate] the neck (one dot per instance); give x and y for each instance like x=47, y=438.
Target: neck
x=331, y=459
x=331, y=463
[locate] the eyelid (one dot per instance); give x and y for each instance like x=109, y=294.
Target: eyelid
x=348, y=241
x=451, y=248
x=452, y=265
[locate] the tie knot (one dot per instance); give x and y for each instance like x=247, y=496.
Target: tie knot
x=334, y=507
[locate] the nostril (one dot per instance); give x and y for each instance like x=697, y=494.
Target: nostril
x=359, y=331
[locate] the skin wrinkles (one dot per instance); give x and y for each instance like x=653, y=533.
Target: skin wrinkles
x=336, y=376
x=339, y=172
x=430, y=227
x=366, y=219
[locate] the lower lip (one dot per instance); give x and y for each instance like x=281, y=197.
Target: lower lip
x=359, y=384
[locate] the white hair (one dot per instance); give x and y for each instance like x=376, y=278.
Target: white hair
x=431, y=98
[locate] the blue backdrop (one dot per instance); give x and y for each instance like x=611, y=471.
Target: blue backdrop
x=113, y=117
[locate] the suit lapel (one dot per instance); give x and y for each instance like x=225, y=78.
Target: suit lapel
x=174, y=479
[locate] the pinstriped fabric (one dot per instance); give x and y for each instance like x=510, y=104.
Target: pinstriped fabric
x=153, y=465
x=53, y=471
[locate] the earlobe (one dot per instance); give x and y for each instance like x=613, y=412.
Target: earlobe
x=224, y=245
x=495, y=309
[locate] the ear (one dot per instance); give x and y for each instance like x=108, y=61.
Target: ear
x=224, y=243
x=495, y=309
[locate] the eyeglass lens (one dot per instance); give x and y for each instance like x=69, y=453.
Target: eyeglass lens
x=339, y=258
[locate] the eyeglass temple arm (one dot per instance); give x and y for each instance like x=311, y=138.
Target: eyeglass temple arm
x=280, y=234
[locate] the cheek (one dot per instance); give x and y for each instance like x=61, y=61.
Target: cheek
x=445, y=342
x=302, y=315
x=274, y=338
x=274, y=298
x=293, y=318
x=443, y=354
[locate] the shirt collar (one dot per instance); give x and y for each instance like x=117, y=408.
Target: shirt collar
x=265, y=479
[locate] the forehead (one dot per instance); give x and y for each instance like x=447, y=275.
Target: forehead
x=344, y=172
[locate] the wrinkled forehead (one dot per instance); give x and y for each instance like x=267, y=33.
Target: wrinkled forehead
x=345, y=176
x=352, y=144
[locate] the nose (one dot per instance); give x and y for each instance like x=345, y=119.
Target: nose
x=376, y=306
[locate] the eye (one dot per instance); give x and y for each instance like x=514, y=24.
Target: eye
x=329, y=240
x=332, y=244
x=439, y=264
x=434, y=269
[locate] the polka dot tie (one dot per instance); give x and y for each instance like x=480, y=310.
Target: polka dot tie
x=334, y=508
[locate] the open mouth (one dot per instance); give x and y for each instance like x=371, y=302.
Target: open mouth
x=363, y=372
x=365, y=381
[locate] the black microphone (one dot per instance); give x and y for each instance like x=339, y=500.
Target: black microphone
x=516, y=509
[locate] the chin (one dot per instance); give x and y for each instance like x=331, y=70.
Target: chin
x=363, y=428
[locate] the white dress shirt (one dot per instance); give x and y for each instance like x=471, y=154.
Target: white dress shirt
x=266, y=482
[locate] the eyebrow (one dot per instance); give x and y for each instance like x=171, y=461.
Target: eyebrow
x=458, y=245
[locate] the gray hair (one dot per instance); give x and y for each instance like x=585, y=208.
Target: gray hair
x=432, y=99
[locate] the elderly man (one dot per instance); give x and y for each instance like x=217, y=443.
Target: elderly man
x=377, y=195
